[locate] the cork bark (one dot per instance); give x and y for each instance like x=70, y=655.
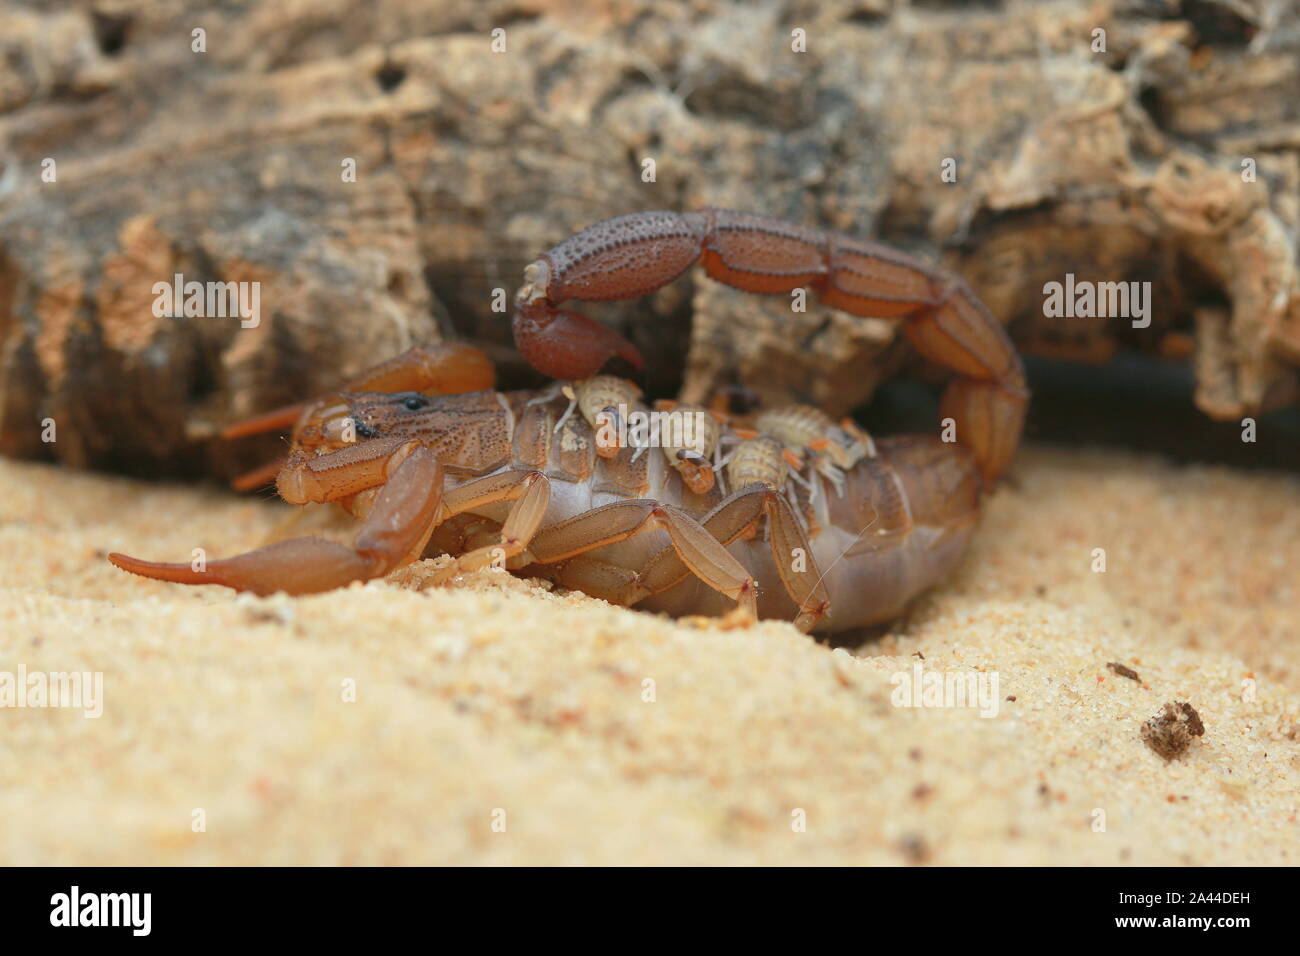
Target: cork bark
x=1170, y=156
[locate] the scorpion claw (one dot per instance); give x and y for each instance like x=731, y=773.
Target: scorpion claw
x=297, y=566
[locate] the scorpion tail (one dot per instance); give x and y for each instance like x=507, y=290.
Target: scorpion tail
x=567, y=345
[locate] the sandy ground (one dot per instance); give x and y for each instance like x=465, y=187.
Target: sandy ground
x=496, y=723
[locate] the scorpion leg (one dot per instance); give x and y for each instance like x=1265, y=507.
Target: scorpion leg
x=701, y=552
x=633, y=255
x=597, y=578
x=394, y=533
x=738, y=516
x=530, y=495
x=433, y=369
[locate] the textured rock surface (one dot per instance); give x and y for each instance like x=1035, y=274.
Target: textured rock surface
x=227, y=165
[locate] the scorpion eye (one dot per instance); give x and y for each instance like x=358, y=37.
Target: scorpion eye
x=414, y=403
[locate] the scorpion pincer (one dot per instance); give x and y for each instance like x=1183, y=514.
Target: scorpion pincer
x=841, y=529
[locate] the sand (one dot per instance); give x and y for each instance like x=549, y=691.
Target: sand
x=496, y=723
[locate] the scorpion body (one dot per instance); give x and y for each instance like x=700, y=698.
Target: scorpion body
x=814, y=522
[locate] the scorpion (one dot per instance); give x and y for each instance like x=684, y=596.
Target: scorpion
x=843, y=530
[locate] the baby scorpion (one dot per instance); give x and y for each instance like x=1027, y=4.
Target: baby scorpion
x=842, y=530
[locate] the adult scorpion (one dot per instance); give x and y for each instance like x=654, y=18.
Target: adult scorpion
x=841, y=529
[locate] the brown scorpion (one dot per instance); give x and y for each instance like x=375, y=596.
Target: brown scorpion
x=840, y=529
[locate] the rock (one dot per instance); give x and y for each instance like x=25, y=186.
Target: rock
x=232, y=165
